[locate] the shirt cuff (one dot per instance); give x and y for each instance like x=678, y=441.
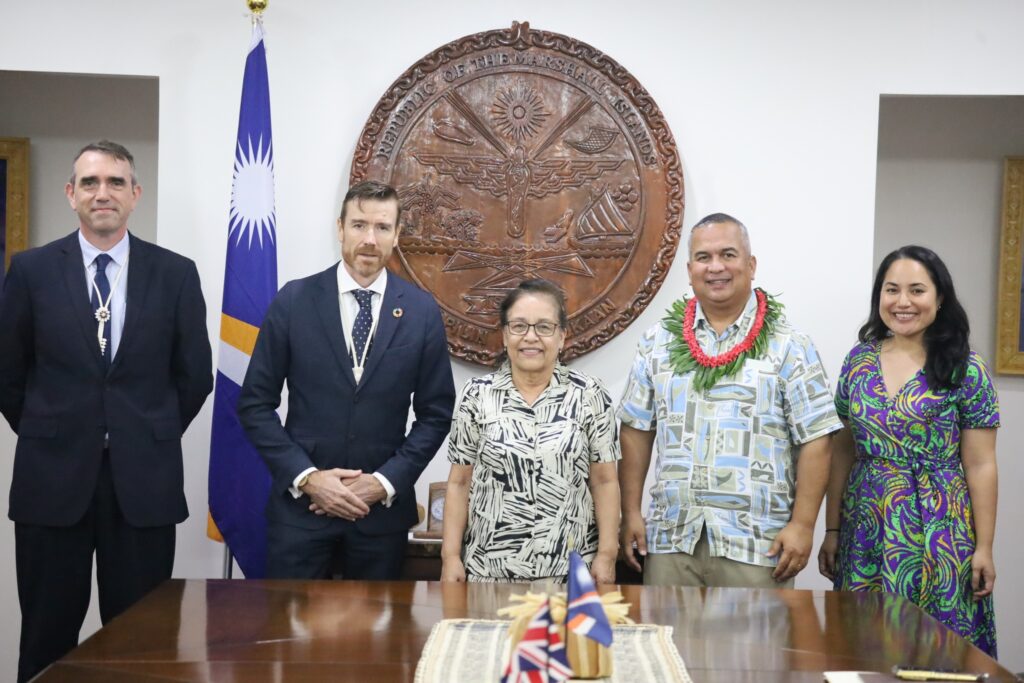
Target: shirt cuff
x=387, y=487
x=294, y=488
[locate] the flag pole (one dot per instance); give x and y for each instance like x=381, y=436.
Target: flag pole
x=229, y=563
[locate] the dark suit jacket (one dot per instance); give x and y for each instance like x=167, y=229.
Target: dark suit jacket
x=58, y=397
x=331, y=421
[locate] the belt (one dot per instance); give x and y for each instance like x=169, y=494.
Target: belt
x=929, y=497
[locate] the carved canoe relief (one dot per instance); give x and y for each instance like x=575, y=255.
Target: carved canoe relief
x=517, y=154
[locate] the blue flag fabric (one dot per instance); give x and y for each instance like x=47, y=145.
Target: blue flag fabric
x=585, y=614
x=239, y=482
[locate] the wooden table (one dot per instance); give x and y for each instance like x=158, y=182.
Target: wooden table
x=329, y=631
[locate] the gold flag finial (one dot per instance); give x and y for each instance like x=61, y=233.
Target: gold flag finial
x=256, y=6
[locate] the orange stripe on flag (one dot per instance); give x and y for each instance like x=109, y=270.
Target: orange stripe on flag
x=212, y=531
x=239, y=334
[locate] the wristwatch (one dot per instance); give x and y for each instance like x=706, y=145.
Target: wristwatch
x=304, y=480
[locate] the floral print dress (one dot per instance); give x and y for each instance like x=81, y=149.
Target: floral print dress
x=906, y=525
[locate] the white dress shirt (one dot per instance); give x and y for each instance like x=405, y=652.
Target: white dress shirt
x=118, y=282
x=349, y=307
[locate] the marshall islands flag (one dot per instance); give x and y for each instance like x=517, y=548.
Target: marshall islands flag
x=585, y=614
x=239, y=480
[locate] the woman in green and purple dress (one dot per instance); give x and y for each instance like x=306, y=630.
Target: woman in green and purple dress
x=912, y=495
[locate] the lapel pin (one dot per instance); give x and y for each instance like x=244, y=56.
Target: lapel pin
x=398, y=313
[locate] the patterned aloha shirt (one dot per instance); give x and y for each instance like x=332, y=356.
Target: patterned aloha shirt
x=529, y=501
x=725, y=455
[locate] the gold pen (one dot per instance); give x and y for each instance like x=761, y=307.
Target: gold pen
x=905, y=673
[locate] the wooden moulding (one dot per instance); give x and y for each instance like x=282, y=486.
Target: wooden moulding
x=14, y=152
x=1009, y=337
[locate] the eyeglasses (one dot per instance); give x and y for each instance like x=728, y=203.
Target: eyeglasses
x=521, y=327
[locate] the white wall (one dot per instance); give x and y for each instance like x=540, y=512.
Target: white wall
x=940, y=179
x=774, y=107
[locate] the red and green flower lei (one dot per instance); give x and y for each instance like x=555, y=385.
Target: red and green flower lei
x=685, y=354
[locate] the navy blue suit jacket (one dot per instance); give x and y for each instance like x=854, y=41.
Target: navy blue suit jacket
x=61, y=400
x=332, y=421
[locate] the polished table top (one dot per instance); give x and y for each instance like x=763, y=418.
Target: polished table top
x=296, y=631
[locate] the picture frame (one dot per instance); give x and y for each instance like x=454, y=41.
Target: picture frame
x=1010, y=317
x=435, y=511
x=13, y=198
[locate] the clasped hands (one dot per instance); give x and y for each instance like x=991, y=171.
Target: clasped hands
x=347, y=494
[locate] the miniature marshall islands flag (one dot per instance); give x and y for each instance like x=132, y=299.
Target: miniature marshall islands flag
x=540, y=656
x=239, y=480
x=585, y=614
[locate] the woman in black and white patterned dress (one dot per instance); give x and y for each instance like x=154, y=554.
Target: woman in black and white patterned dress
x=533, y=450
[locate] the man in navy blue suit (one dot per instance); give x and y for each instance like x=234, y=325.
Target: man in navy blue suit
x=357, y=346
x=104, y=362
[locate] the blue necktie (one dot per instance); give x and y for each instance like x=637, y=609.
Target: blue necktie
x=363, y=323
x=103, y=285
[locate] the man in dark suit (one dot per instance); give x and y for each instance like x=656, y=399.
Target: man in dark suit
x=104, y=361
x=357, y=345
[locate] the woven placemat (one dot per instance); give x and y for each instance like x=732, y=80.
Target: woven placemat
x=475, y=650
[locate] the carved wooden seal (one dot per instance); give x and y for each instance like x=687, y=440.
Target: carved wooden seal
x=520, y=153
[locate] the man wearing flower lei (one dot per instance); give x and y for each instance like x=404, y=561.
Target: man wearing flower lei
x=738, y=405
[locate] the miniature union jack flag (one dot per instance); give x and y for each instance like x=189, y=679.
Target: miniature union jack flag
x=540, y=655
x=586, y=615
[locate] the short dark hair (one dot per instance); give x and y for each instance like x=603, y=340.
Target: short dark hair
x=371, y=189
x=714, y=219
x=947, y=339
x=109, y=148
x=536, y=286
